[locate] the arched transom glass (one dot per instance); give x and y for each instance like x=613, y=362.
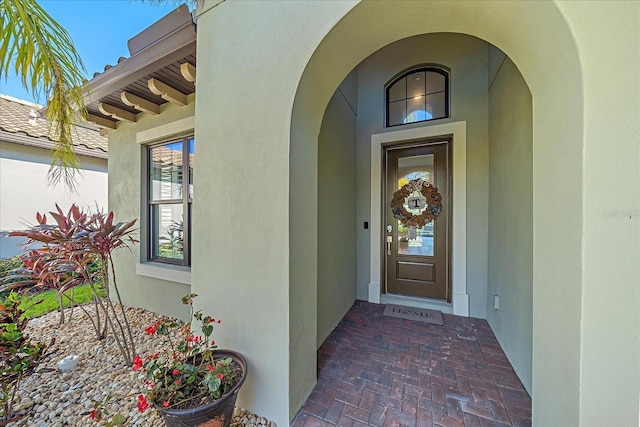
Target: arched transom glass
x=418, y=95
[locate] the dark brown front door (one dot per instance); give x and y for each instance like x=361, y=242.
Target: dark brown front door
x=417, y=261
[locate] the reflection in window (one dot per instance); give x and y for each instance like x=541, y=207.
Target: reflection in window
x=169, y=205
x=423, y=243
x=417, y=96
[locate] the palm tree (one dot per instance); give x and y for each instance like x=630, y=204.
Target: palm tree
x=38, y=50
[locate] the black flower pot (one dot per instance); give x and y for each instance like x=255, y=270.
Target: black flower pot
x=215, y=414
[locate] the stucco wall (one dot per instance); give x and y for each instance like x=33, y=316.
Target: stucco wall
x=510, y=262
x=337, y=208
x=126, y=158
x=467, y=59
x=607, y=35
x=534, y=35
x=572, y=56
x=24, y=189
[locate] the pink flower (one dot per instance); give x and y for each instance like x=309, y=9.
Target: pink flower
x=176, y=372
x=165, y=403
x=220, y=377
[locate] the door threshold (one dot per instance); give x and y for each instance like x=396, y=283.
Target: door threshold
x=417, y=302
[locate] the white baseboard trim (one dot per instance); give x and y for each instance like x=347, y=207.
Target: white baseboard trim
x=461, y=304
x=374, y=293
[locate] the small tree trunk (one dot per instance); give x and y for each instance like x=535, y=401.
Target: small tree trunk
x=60, y=307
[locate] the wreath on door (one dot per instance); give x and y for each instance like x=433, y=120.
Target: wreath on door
x=429, y=213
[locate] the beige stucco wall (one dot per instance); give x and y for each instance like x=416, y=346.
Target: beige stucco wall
x=265, y=288
x=607, y=36
x=540, y=41
x=24, y=189
x=466, y=57
x=126, y=200
x=510, y=261
x=337, y=208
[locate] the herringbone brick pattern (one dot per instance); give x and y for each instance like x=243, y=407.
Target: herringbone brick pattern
x=386, y=372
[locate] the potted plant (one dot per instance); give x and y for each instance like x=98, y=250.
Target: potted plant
x=190, y=381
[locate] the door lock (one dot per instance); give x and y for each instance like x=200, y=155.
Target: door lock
x=389, y=228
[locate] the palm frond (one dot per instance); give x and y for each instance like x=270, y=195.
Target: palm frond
x=41, y=53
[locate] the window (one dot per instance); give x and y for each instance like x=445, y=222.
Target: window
x=417, y=96
x=170, y=199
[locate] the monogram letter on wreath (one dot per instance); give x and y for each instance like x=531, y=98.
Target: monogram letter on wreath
x=418, y=194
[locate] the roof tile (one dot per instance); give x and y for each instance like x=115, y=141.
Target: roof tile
x=22, y=117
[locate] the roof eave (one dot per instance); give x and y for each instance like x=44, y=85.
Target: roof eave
x=48, y=144
x=174, y=46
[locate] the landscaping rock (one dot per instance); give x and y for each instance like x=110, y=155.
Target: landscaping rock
x=49, y=397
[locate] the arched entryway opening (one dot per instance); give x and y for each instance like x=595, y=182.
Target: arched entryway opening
x=556, y=145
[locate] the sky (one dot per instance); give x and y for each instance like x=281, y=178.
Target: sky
x=99, y=30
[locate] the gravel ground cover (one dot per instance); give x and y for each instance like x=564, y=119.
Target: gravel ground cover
x=50, y=398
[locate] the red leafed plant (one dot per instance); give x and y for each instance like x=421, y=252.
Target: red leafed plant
x=71, y=248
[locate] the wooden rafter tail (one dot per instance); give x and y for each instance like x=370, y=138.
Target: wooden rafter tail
x=167, y=92
x=101, y=121
x=116, y=113
x=140, y=104
x=188, y=72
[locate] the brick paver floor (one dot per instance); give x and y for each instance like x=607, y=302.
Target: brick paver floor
x=381, y=371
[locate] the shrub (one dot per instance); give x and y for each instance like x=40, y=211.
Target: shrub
x=18, y=354
x=76, y=250
x=7, y=265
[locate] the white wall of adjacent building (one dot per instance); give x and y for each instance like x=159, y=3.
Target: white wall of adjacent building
x=24, y=190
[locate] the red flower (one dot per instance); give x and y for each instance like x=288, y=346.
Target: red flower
x=210, y=367
x=137, y=363
x=176, y=372
x=176, y=382
x=92, y=414
x=143, y=405
x=151, y=329
x=151, y=356
x=213, y=342
x=165, y=403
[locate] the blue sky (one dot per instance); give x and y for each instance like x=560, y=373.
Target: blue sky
x=99, y=29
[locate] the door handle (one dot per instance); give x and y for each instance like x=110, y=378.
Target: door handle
x=389, y=240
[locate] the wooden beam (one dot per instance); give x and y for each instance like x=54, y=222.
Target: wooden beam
x=167, y=92
x=116, y=113
x=188, y=72
x=101, y=121
x=140, y=103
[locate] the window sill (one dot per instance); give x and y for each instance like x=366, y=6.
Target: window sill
x=171, y=273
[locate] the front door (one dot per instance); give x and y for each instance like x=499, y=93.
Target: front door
x=417, y=257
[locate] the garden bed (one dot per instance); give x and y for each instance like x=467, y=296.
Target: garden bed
x=49, y=397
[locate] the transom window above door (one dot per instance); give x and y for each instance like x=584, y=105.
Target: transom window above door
x=418, y=95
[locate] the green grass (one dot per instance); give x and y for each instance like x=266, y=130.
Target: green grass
x=81, y=294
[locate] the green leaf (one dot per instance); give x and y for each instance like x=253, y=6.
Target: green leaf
x=117, y=420
x=214, y=384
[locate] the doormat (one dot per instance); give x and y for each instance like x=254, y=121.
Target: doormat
x=412, y=313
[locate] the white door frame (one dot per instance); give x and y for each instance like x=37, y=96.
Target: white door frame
x=458, y=132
